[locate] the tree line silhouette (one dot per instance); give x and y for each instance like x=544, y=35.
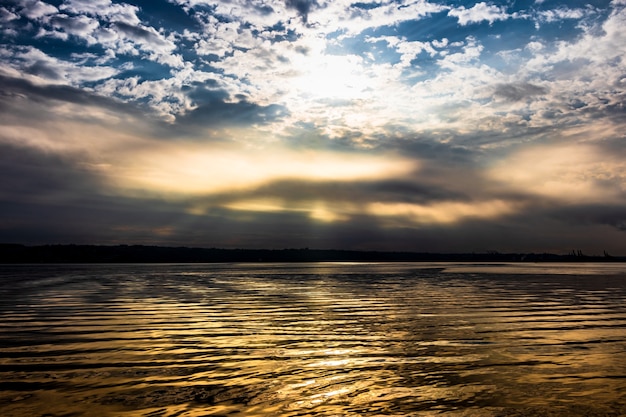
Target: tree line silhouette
x=16, y=253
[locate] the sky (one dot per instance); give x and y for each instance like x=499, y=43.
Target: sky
x=431, y=126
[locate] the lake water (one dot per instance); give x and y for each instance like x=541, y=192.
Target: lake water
x=323, y=339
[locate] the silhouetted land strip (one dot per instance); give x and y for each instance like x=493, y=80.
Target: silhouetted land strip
x=15, y=253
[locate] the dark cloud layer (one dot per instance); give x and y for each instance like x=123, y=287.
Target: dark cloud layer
x=518, y=92
x=212, y=110
x=303, y=7
x=10, y=88
x=43, y=202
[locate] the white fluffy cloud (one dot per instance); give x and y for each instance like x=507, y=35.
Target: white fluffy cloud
x=35, y=9
x=266, y=53
x=478, y=13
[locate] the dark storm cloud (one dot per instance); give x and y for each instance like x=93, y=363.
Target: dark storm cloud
x=443, y=145
x=21, y=99
x=434, y=146
x=242, y=113
x=592, y=214
x=43, y=69
x=354, y=192
x=30, y=175
x=102, y=221
x=303, y=7
x=519, y=91
x=215, y=109
x=18, y=87
x=49, y=198
x=52, y=199
x=609, y=104
x=46, y=198
x=543, y=226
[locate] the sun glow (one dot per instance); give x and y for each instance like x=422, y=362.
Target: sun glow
x=201, y=170
x=333, y=77
x=442, y=213
x=317, y=210
x=567, y=172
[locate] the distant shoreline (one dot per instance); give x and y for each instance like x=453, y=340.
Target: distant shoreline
x=20, y=254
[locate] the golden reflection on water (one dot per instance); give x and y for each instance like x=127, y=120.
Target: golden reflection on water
x=311, y=340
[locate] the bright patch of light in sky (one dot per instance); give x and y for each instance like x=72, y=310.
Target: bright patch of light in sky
x=201, y=170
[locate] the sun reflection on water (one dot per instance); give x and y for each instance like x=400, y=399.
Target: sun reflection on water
x=318, y=339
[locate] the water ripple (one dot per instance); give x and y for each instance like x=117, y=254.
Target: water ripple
x=312, y=340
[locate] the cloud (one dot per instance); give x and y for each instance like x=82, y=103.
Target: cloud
x=397, y=123
x=480, y=12
x=160, y=49
x=104, y=9
x=351, y=18
x=138, y=34
x=442, y=213
x=240, y=113
x=38, y=67
x=351, y=194
x=81, y=26
x=573, y=173
x=591, y=214
x=303, y=7
x=115, y=27
x=519, y=91
x=35, y=9
x=561, y=13
x=210, y=169
x=7, y=16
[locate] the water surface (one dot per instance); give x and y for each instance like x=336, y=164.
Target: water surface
x=323, y=339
